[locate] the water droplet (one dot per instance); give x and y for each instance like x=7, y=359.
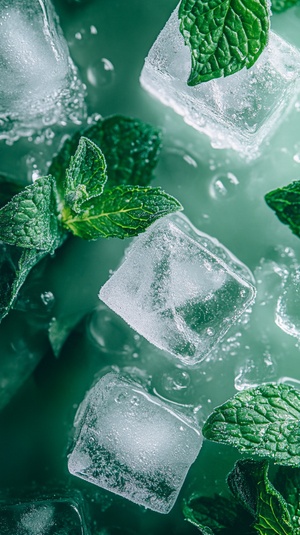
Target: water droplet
x=296, y=157
x=223, y=186
x=210, y=331
x=120, y=398
x=135, y=401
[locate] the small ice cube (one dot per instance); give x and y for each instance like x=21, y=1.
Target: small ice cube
x=179, y=288
x=236, y=112
x=39, y=85
x=57, y=516
x=133, y=444
x=287, y=315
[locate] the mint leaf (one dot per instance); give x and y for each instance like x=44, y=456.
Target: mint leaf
x=223, y=36
x=29, y=220
x=278, y=6
x=86, y=175
x=120, y=212
x=287, y=481
x=216, y=515
x=15, y=265
x=131, y=149
x=260, y=421
x=250, y=484
x=286, y=204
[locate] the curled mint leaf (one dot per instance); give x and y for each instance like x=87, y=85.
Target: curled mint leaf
x=260, y=421
x=223, y=36
x=120, y=212
x=85, y=176
x=30, y=220
x=250, y=484
x=286, y=204
x=130, y=147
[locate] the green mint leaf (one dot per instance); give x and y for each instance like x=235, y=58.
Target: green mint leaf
x=15, y=265
x=260, y=421
x=286, y=204
x=130, y=147
x=29, y=220
x=278, y=6
x=250, y=484
x=223, y=36
x=216, y=515
x=120, y=212
x=8, y=188
x=287, y=481
x=86, y=175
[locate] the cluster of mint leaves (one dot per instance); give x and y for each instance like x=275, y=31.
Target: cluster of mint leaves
x=255, y=506
x=91, y=192
x=225, y=36
x=261, y=421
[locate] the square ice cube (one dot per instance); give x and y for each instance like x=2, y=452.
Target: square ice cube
x=57, y=516
x=236, y=112
x=133, y=444
x=179, y=288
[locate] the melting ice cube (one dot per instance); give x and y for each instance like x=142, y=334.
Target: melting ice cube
x=179, y=288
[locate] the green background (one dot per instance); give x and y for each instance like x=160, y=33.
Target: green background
x=35, y=428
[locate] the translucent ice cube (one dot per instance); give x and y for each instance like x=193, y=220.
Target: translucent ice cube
x=133, y=444
x=57, y=516
x=236, y=112
x=287, y=315
x=39, y=84
x=179, y=288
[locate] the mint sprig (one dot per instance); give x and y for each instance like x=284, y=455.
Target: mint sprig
x=223, y=36
x=261, y=421
x=286, y=204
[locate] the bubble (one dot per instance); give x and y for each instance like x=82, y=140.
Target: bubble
x=223, y=186
x=296, y=157
x=101, y=73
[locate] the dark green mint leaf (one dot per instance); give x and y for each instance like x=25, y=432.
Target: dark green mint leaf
x=130, y=147
x=287, y=481
x=223, y=36
x=278, y=6
x=216, y=515
x=260, y=421
x=250, y=484
x=8, y=188
x=286, y=204
x=120, y=212
x=29, y=220
x=15, y=265
x=86, y=175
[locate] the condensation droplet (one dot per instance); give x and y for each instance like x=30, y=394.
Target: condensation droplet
x=223, y=186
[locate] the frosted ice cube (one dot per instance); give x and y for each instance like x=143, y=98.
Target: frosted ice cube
x=39, y=85
x=57, y=516
x=179, y=288
x=236, y=112
x=287, y=315
x=133, y=444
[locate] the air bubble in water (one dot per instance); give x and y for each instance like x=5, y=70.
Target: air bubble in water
x=101, y=73
x=223, y=186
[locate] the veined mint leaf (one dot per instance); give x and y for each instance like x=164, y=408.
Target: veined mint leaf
x=130, y=147
x=278, y=6
x=120, y=212
x=216, y=515
x=286, y=204
x=260, y=421
x=29, y=220
x=223, y=36
x=287, y=481
x=86, y=175
x=250, y=484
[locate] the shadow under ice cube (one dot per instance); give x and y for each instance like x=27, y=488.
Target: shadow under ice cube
x=236, y=112
x=131, y=443
x=179, y=288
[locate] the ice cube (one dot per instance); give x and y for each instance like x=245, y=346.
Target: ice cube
x=39, y=85
x=58, y=516
x=179, y=288
x=287, y=315
x=133, y=444
x=236, y=112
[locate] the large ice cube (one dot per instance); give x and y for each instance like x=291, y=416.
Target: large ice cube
x=57, y=516
x=133, y=444
x=236, y=112
x=179, y=288
x=39, y=85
